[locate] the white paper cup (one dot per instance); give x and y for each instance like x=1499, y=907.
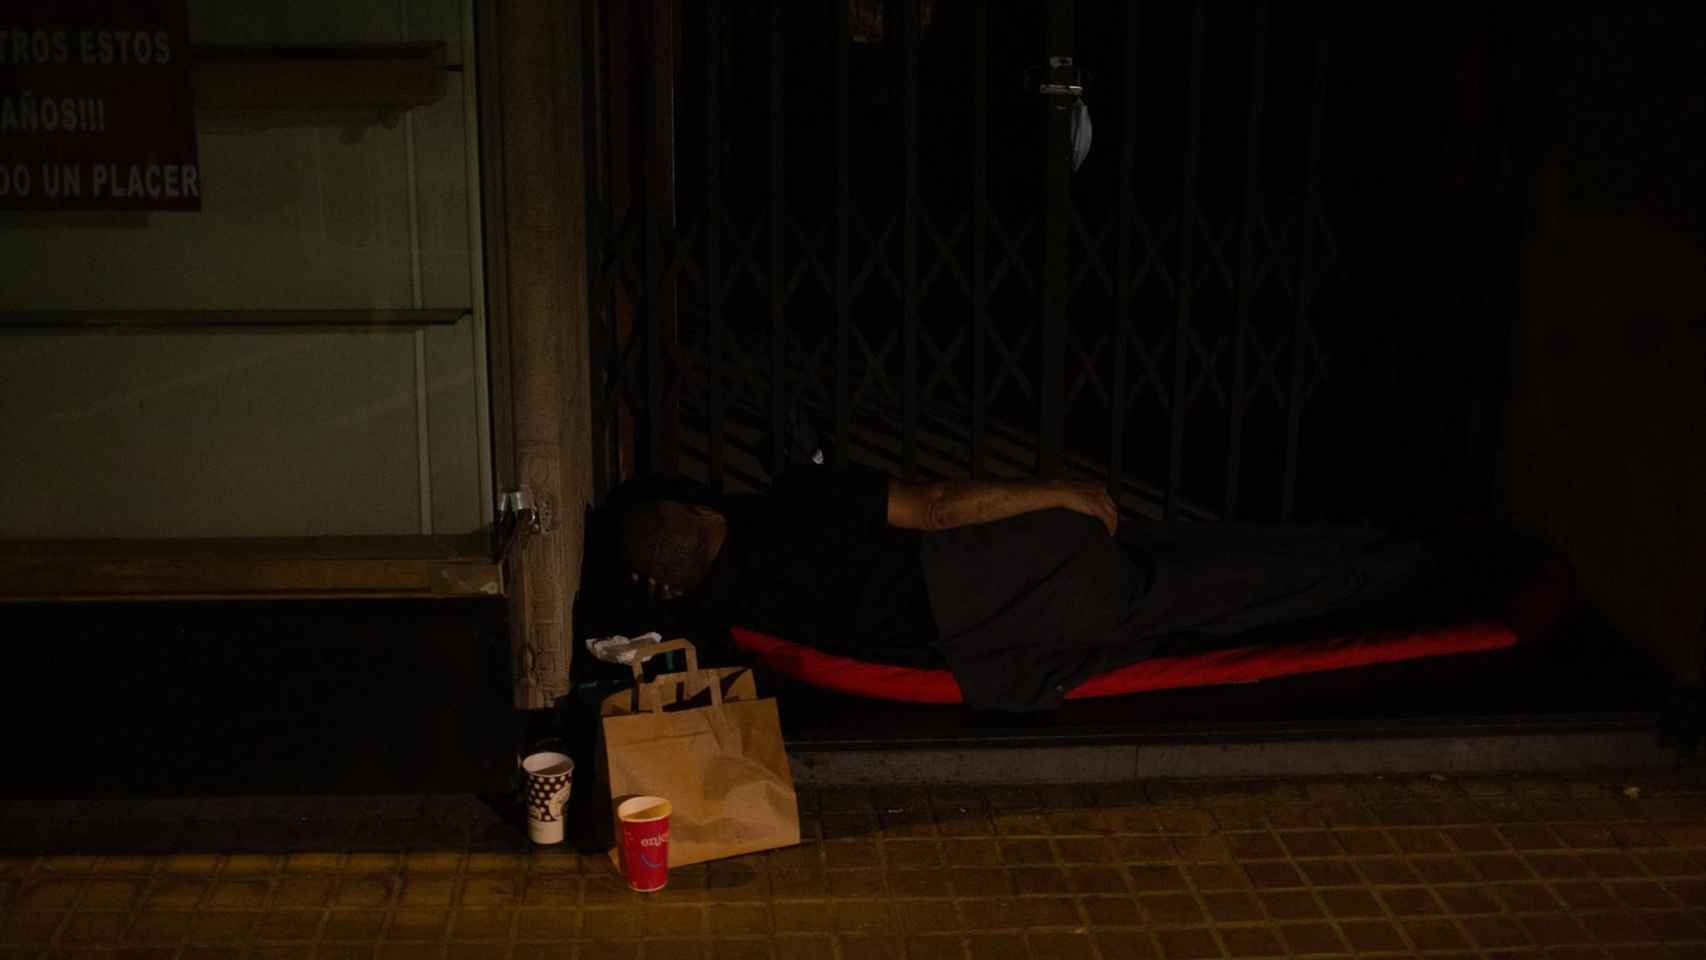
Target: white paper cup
x=549, y=776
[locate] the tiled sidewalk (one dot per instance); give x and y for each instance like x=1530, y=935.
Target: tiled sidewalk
x=1424, y=867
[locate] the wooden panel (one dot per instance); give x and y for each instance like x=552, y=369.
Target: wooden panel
x=248, y=433
x=240, y=78
x=85, y=570
x=62, y=319
x=301, y=23
x=264, y=382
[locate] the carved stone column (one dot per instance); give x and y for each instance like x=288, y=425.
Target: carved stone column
x=533, y=154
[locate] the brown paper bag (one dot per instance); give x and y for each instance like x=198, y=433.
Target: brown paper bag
x=705, y=742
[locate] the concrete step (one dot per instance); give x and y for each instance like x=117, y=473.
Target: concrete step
x=1554, y=745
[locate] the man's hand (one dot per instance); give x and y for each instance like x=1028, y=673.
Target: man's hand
x=1092, y=500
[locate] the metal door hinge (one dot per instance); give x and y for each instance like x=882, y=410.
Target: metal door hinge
x=1062, y=80
x=519, y=514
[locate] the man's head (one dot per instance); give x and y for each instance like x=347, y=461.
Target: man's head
x=671, y=543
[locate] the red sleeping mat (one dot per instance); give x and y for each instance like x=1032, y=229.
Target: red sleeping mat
x=1531, y=608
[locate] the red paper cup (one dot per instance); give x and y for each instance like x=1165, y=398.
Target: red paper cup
x=645, y=842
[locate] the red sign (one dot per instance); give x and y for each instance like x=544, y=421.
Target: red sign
x=96, y=109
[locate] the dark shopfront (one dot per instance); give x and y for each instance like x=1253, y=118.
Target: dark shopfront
x=1345, y=278
x=1301, y=306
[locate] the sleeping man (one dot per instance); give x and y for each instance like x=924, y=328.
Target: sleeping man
x=1023, y=590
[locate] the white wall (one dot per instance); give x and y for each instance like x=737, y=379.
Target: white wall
x=224, y=433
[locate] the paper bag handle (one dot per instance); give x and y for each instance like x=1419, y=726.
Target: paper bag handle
x=670, y=646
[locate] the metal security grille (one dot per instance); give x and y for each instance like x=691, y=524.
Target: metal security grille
x=866, y=211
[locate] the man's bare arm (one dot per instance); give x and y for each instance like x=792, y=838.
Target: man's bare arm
x=947, y=504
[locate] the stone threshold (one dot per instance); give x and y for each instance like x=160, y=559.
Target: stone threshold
x=1582, y=745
